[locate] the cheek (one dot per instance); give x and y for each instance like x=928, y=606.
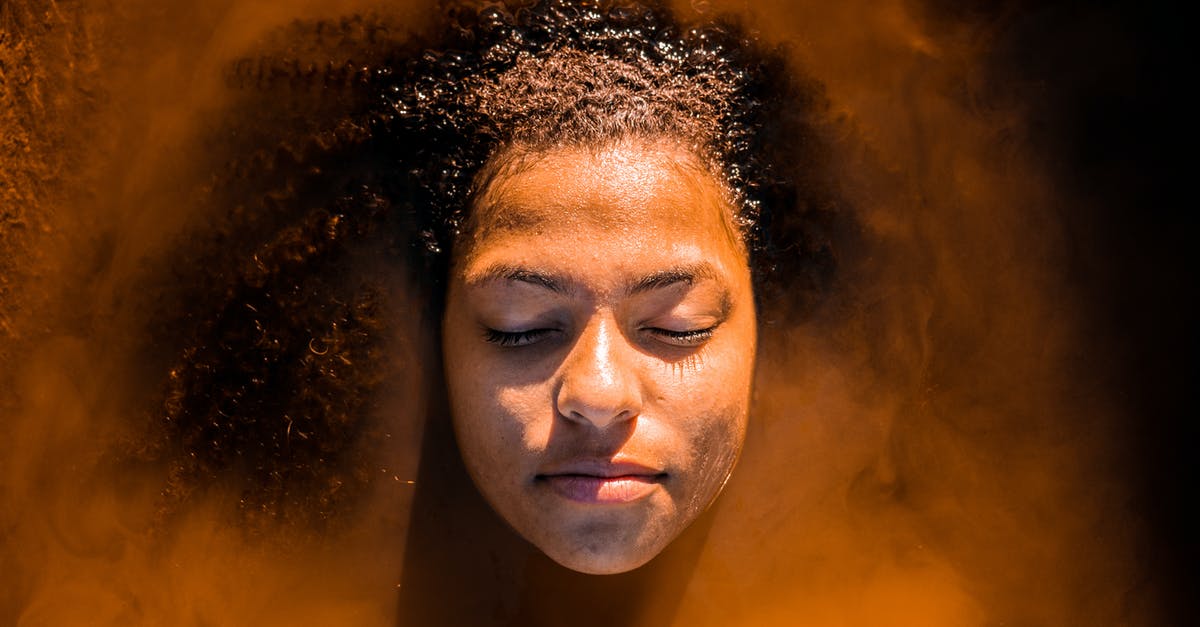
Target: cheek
x=707, y=402
x=714, y=381
x=704, y=448
x=469, y=384
x=714, y=441
x=497, y=425
x=526, y=417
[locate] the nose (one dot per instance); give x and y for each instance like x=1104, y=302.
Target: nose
x=598, y=383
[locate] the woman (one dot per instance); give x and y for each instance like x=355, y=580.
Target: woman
x=607, y=202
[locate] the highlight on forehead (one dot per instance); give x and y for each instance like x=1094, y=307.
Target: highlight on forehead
x=493, y=212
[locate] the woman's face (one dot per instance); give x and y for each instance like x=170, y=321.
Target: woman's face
x=599, y=341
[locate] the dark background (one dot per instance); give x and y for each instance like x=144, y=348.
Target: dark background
x=1106, y=84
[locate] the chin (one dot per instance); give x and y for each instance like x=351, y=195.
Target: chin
x=591, y=562
x=599, y=551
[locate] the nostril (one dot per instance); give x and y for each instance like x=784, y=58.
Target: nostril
x=599, y=419
x=598, y=404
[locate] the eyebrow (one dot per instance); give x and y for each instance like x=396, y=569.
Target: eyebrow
x=687, y=274
x=559, y=284
x=504, y=272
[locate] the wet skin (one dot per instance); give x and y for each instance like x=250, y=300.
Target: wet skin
x=599, y=342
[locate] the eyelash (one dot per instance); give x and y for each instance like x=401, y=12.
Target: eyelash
x=693, y=337
x=512, y=339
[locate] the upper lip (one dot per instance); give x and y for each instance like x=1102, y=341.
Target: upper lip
x=598, y=467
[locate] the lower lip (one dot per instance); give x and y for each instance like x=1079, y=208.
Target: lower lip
x=603, y=490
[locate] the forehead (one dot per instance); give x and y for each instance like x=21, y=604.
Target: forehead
x=627, y=192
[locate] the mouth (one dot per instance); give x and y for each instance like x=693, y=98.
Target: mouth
x=602, y=482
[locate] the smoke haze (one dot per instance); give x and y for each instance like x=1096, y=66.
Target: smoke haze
x=949, y=440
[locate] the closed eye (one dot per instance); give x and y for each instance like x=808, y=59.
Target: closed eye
x=691, y=337
x=516, y=338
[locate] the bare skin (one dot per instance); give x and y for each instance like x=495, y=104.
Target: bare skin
x=599, y=342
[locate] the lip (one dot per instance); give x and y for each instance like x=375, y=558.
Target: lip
x=601, y=482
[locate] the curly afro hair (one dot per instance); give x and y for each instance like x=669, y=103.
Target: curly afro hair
x=560, y=73
x=355, y=150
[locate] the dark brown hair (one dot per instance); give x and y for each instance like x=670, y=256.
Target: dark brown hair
x=355, y=148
